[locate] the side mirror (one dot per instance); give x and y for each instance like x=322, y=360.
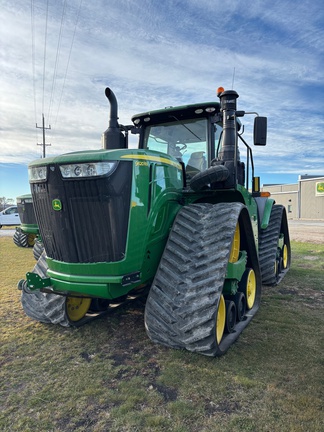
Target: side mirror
x=260, y=131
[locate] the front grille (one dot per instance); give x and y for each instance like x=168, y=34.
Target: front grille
x=26, y=213
x=93, y=222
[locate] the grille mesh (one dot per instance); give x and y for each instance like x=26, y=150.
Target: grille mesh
x=93, y=223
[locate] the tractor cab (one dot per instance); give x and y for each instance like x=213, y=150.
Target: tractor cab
x=204, y=139
x=188, y=133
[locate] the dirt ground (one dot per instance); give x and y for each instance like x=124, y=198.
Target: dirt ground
x=307, y=231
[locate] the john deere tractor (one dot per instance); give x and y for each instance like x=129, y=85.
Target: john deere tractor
x=26, y=233
x=175, y=218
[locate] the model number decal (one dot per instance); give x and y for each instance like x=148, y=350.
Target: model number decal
x=141, y=163
x=148, y=158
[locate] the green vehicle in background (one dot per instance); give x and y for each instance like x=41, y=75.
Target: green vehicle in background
x=26, y=233
x=174, y=218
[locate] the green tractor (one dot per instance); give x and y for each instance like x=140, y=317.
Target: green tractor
x=27, y=234
x=173, y=218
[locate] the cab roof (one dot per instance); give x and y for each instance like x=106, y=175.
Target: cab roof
x=197, y=110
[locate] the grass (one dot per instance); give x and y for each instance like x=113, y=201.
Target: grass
x=9, y=227
x=107, y=375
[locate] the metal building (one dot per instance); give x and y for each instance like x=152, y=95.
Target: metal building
x=303, y=200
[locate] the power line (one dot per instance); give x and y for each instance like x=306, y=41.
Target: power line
x=45, y=82
x=56, y=61
x=33, y=55
x=44, y=64
x=68, y=62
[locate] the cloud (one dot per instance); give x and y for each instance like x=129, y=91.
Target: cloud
x=152, y=57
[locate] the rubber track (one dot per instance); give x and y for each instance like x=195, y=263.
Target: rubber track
x=20, y=239
x=38, y=249
x=268, y=243
x=43, y=307
x=182, y=304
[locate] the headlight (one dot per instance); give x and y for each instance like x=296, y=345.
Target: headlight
x=24, y=200
x=93, y=169
x=37, y=174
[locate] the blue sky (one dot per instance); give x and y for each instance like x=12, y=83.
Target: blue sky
x=155, y=54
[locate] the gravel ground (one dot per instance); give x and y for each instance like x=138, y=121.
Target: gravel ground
x=311, y=231
x=307, y=231
x=7, y=232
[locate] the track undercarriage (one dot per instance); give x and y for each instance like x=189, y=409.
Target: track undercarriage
x=188, y=305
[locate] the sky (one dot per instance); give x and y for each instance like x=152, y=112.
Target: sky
x=58, y=56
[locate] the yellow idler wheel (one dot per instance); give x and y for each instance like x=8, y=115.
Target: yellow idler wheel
x=220, y=320
x=77, y=307
x=235, y=249
x=284, y=256
x=250, y=289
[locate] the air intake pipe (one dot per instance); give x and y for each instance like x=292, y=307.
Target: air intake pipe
x=113, y=138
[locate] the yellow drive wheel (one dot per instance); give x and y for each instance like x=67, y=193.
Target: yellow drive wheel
x=77, y=307
x=220, y=320
x=235, y=249
x=284, y=256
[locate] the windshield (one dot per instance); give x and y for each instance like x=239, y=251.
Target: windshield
x=185, y=140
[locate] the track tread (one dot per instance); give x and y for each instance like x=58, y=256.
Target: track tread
x=38, y=249
x=182, y=304
x=268, y=243
x=43, y=307
x=20, y=239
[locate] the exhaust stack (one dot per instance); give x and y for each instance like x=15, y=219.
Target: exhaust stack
x=229, y=139
x=113, y=138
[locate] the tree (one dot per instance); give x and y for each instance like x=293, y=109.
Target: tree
x=5, y=202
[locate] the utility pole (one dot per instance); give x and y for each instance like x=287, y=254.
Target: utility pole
x=43, y=127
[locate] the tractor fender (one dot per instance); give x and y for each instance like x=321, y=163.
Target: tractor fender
x=264, y=210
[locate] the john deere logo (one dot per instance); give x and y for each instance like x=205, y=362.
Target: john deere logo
x=320, y=188
x=57, y=205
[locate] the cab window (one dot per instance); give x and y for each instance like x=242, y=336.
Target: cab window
x=185, y=140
